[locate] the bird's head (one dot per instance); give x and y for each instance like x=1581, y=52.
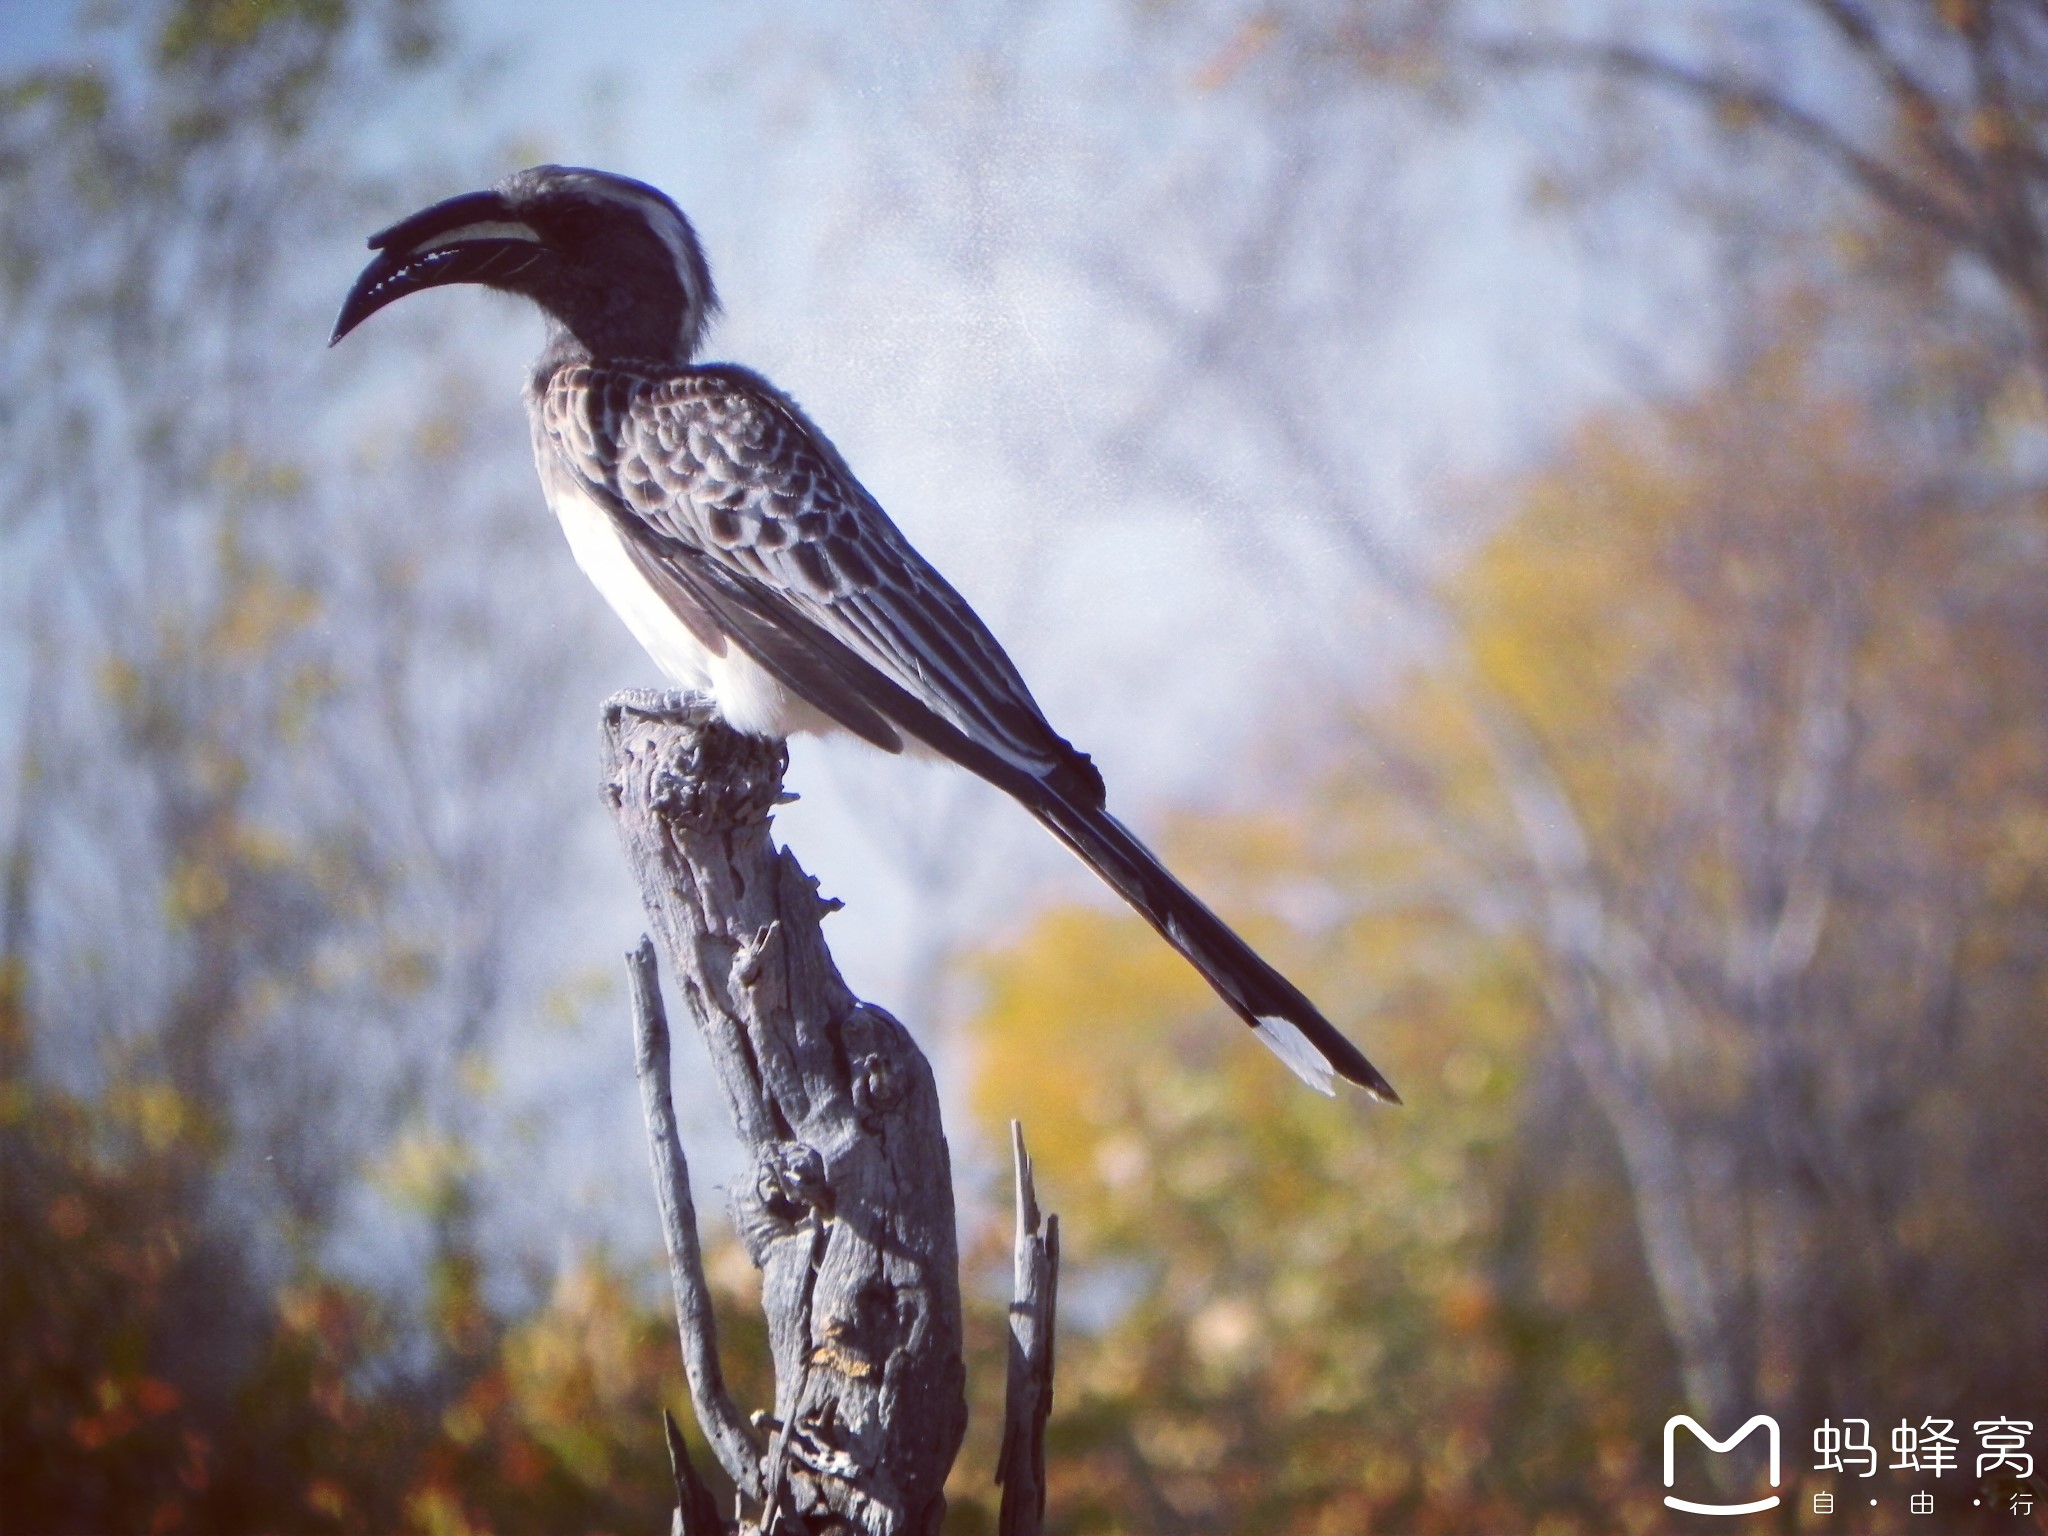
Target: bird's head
x=612, y=262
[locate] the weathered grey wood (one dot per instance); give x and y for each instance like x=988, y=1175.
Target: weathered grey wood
x=848, y=1209
x=696, y=1512
x=732, y=1438
x=1027, y=1399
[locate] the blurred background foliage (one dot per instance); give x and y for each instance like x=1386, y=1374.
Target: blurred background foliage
x=1681, y=851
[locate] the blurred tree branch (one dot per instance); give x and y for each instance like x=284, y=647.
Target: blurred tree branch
x=1963, y=85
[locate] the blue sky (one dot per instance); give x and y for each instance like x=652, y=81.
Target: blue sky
x=945, y=229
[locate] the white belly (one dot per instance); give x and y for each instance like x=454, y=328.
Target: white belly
x=749, y=698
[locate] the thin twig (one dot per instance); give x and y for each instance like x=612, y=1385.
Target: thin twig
x=731, y=1438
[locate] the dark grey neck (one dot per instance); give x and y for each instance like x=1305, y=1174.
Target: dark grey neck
x=565, y=349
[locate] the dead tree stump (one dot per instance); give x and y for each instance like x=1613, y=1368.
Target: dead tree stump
x=848, y=1208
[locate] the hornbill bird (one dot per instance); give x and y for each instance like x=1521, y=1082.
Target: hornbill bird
x=730, y=536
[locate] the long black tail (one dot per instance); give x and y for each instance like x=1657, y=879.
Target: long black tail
x=1285, y=1021
x=1068, y=799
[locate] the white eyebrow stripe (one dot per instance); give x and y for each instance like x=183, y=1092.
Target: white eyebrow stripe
x=661, y=219
x=500, y=229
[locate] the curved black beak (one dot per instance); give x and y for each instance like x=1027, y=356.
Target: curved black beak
x=475, y=238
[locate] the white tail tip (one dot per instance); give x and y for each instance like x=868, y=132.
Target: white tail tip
x=1292, y=1047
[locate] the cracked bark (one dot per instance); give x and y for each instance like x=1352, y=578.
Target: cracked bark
x=848, y=1209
